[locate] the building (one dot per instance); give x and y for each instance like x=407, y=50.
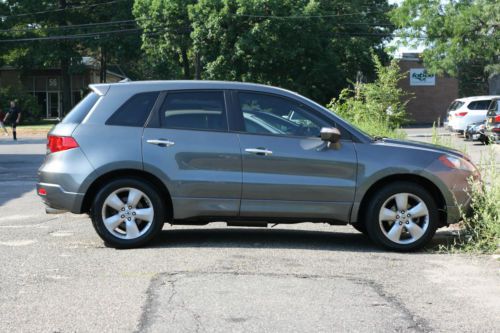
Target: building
x=430, y=94
x=45, y=84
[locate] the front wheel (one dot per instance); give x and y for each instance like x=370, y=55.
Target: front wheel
x=127, y=213
x=402, y=216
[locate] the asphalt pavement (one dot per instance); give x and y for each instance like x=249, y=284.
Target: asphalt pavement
x=57, y=276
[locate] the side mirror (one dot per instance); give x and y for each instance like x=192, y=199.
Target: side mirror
x=330, y=134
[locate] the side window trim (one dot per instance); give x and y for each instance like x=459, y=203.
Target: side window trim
x=156, y=121
x=237, y=125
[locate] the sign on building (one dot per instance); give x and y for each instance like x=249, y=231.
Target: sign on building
x=420, y=77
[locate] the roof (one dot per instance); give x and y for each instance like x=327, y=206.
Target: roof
x=140, y=86
x=476, y=98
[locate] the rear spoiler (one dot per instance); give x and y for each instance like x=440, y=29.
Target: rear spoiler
x=100, y=89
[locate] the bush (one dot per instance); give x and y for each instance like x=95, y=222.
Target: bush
x=31, y=111
x=378, y=108
x=481, y=230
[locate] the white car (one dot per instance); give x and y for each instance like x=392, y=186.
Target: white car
x=465, y=111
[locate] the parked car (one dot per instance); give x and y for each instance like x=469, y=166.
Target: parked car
x=465, y=111
x=476, y=132
x=138, y=154
x=493, y=121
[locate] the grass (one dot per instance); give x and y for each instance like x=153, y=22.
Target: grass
x=480, y=231
x=378, y=128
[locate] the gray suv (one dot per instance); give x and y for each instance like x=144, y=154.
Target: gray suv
x=138, y=154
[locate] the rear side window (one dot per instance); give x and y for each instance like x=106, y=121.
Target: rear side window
x=455, y=105
x=203, y=110
x=134, y=111
x=479, y=105
x=81, y=110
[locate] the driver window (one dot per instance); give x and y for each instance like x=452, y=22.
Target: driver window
x=266, y=114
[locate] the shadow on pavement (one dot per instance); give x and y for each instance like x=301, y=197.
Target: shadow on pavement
x=17, y=175
x=264, y=238
x=278, y=238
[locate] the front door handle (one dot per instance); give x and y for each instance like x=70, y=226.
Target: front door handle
x=161, y=142
x=259, y=151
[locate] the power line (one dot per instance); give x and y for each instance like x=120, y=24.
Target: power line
x=62, y=9
x=306, y=16
x=68, y=27
x=89, y=35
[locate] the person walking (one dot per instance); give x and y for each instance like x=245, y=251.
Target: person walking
x=2, y=125
x=14, y=116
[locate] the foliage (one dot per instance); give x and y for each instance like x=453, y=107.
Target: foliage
x=378, y=108
x=480, y=227
x=166, y=38
x=481, y=231
x=27, y=103
x=455, y=33
x=311, y=47
x=55, y=18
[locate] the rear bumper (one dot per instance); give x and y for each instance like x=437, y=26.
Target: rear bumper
x=57, y=199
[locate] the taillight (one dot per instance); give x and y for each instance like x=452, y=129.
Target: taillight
x=497, y=119
x=59, y=143
x=461, y=114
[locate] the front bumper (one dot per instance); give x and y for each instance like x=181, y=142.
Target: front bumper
x=57, y=199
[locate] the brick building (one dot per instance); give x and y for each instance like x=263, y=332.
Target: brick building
x=45, y=84
x=431, y=94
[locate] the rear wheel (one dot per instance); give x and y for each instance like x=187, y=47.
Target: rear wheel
x=402, y=216
x=127, y=213
x=359, y=227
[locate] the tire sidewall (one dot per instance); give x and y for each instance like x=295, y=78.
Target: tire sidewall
x=98, y=223
x=372, y=221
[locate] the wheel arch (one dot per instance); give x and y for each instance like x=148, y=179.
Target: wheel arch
x=432, y=188
x=128, y=173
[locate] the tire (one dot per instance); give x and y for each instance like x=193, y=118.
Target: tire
x=398, y=226
x=360, y=227
x=121, y=202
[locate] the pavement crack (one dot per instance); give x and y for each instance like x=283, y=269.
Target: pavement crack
x=417, y=323
x=151, y=304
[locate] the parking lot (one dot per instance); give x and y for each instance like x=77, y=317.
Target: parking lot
x=57, y=276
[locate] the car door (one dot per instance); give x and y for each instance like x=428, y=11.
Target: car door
x=288, y=171
x=187, y=144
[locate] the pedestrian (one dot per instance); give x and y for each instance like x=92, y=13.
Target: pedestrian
x=13, y=116
x=2, y=125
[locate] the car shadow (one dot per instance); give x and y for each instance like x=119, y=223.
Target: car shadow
x=276, y=239
x=263, y=238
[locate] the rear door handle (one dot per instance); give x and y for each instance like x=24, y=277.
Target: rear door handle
x=161, y=142
x=259, y=151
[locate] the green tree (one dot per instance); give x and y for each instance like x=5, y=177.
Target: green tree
x=166, y=37
x=308, y=46
x=378, y=107
x=455, y=34
x=53, y=26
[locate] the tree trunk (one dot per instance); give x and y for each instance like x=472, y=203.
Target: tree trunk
x=197, y=66
x=104, y=66
x=185, y=64
x=65, y=65
x=65, y=84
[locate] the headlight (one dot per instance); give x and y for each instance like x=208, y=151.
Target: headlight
x=454, y=162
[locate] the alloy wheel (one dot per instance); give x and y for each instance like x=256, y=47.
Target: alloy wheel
x=404, y=218
x=127, y=213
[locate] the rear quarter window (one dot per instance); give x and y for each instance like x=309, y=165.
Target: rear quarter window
x=80, y=111
x=455, y=105
x=134, y=111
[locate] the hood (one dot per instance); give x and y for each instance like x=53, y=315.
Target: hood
x=421, y=146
